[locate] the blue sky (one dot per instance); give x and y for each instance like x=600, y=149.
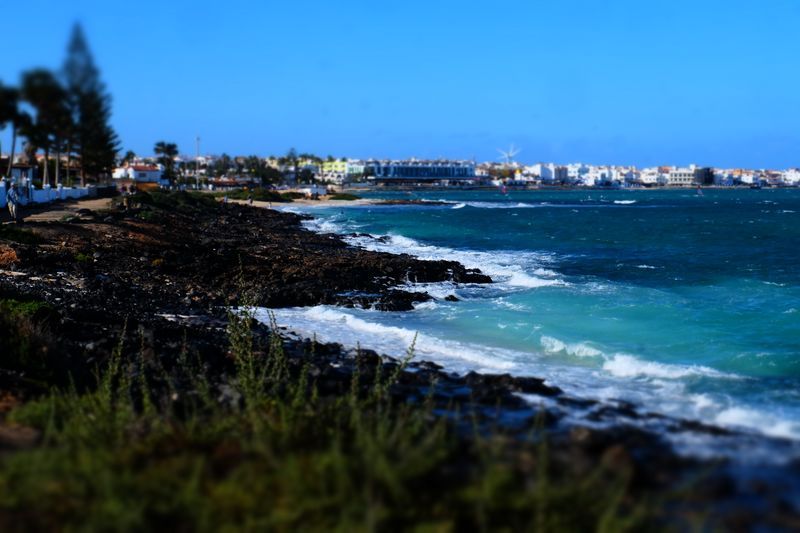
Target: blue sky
x=659, y=82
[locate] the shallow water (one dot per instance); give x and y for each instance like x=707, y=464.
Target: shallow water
x=687, y=304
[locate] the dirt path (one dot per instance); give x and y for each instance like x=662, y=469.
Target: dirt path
x=56, y=212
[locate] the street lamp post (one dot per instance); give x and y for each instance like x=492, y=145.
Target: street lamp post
x=197, y=163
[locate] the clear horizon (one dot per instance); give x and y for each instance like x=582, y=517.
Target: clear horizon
x=619, y=84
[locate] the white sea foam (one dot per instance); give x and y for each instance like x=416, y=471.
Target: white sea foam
x=626, y=365
x=503, y=303
x=331, y=324
x=624, y=202
x=503, y=266
x=658, y=386
x=647, y=267
x=510, y=268
x=629, y=366
x=750, y=418
x=459, y=206
x=502, y=205
x=580, y=349
x=702, y=402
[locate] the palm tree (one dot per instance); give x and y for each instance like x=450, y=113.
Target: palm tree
x=128, y=158
x=10, y=114
x=63, y=129
x=52, y=123
x=167, y=153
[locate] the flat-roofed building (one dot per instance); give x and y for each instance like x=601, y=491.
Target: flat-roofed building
x=139, y=173
x=416, y=170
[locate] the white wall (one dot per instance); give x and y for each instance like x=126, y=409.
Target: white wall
x=45, y=195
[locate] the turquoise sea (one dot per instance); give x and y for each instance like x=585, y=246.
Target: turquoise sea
x=686, y=303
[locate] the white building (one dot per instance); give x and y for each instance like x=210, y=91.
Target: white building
x=339, y=171
x=550, y=172
x=791, y=176
x=745, y=176
x=140, y=173
x=677, y=176
x=649, y=176
x=576, y=171
x=388, y=171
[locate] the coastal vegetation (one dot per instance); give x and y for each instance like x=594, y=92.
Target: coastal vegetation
x=152, y=443
x=344, y=196
x=259, y=194
x=20, y=235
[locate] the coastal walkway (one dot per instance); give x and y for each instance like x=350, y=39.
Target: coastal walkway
x=57, y=212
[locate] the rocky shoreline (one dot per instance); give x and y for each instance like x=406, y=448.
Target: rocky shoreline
x=162, y=275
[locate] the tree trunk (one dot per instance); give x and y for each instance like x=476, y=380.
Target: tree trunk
x=46, y=177
x=13, y=147
x=58, y=164
x=69, y=161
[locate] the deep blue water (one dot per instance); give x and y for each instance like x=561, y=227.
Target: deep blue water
x=688, y=304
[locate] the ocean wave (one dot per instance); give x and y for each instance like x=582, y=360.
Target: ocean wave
x=502, y=205
x=553, y=345
x=624, y=202
x=331, y=324
x=654, y=386
x=438, y=290
x=505, y=267
x=768, y=424
x=510, y=268
x=628, y=366
x=459, y=206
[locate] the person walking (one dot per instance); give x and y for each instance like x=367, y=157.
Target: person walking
x=14, y=209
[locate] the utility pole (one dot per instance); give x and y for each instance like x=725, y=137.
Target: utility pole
x=197, y=163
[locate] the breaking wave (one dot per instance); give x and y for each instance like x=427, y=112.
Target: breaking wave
x=331, y=324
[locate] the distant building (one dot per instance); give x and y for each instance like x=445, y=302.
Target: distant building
x=576, y=172
x=742, y=176
x=704, y=176
x=676, y=176
x=341, y=170
x=140, y=173
x=414, y=170
x=649, y=176
x=551, y=173
x=791, y=176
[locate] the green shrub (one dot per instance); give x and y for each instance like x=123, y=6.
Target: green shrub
x=292, y=195
x=259, y=194
x=25, y=343
x=182, y=201
x=344, y=196
x=13, y=233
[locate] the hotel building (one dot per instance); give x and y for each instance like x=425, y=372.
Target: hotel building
x=415, y=170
